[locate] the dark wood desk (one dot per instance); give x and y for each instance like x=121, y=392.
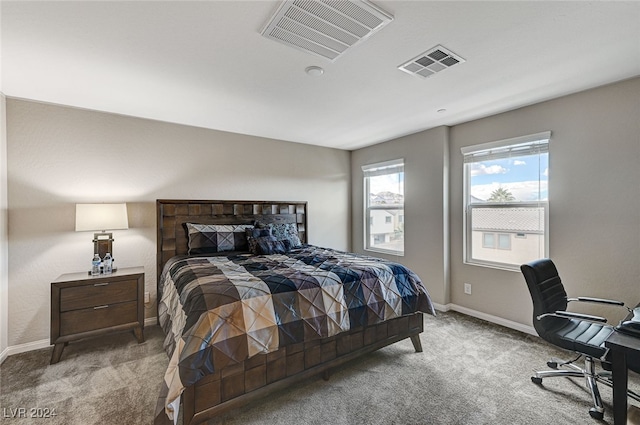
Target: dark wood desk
x=622, y=347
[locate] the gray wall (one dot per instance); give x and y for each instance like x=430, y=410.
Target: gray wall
x=59, y=156
x=594, y=202
x=426, y=195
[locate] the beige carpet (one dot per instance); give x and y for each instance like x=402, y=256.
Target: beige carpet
x=471, y=372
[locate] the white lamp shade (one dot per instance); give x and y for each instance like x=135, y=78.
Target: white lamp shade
x=101, y=217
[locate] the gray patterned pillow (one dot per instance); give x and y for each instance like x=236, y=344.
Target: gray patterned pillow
x=254, y=233
x=210, y=238
x=287, y=231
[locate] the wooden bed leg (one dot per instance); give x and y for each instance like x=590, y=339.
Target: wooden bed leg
x=326, y=375
x=415, y=339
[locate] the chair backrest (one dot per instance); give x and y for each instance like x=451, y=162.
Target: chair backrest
x=547, y=293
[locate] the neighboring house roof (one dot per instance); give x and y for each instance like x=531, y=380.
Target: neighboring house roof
x=386, y=198
x=526, y=220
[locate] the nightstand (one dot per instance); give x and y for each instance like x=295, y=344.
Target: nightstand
x=83, y=305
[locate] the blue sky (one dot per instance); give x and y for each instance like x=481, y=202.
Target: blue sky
x=519, y=175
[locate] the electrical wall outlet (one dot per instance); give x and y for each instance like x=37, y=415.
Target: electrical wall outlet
x=147, y=297
x=467, y=288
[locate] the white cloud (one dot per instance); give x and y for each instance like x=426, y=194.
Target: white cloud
x=546, y=172
x=479, y=169
x=386, y=183
x=519, y=162
x=522, y=191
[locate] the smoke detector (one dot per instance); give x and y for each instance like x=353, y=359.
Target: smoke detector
x=325, y=28
x=430, y=62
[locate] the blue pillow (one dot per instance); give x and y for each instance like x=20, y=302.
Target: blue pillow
x=267, y=245
x=252, y=234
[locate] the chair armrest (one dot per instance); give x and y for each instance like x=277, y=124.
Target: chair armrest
x=597, y=300
x=571, y=315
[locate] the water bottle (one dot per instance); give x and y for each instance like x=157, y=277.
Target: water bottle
x=95, y=265
x=108, y=265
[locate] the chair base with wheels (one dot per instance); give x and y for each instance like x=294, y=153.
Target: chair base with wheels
x=588, y=373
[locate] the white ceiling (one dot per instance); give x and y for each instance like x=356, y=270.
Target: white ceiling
x=205, y=64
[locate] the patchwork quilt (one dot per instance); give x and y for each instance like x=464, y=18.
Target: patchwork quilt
x=218, y=310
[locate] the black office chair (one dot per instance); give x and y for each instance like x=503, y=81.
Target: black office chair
x=581, y=333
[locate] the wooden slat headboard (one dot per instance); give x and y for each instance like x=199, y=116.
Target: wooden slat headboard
x=172, y=214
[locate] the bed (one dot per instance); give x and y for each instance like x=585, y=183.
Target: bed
x=248, y=307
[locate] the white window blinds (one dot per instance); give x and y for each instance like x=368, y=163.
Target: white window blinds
x=533, y=144
x=383, y=168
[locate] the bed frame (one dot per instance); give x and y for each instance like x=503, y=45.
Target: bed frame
x=238, y=384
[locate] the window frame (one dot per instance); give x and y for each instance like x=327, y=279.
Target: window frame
x=468, y=207
x=394, y=166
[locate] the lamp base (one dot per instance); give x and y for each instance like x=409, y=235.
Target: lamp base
x=103, y=243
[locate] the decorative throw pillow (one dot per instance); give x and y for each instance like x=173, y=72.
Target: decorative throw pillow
x=260, y=225
x=210, y=238
x=287, y=231
x=267, y=245
x=252, y=234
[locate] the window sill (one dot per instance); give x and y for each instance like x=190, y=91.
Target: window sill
x=505, y=267
x=385, y=251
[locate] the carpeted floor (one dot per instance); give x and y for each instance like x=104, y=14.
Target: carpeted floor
x=471, y=372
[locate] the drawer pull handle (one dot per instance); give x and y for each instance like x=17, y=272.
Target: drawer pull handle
x=101, y=284
x=100, y=307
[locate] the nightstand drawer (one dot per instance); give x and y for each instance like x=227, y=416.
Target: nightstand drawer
x=103, y=316
x=104, y=292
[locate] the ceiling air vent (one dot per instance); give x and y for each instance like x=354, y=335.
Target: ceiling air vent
x=325, y=28
x=432, y=61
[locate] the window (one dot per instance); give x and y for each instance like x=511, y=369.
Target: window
x=488, y=240
x=504, y=241
x=506, y=201
x=384, y=207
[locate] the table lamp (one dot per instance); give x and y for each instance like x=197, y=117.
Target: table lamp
x=101, y=217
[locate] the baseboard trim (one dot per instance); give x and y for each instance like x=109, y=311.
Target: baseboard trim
x=29, y=346
x=487, y=317
x=4, y=355
x=44, y=343
x=441, y=307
